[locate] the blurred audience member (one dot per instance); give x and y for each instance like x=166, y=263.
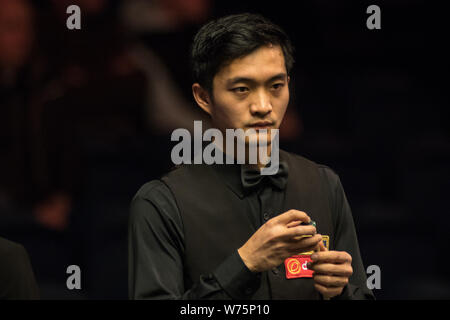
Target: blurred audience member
x=164, y=15
x=18, y=76
x=24, y=75
x=17, y=281
x=167, y=106
x=167, y=109
x=94, y=101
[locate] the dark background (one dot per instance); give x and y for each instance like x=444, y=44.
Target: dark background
x=371, y=104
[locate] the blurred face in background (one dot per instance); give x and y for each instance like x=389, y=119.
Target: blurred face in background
x=16, y=32
x=191, y=11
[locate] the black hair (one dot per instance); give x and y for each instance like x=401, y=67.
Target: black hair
x=222, y=40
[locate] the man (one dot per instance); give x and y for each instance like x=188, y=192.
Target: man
x=17, y=280
x=222, y=232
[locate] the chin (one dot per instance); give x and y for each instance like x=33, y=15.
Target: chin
x=260, y=138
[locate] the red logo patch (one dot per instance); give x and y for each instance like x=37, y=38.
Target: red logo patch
x=296, y=267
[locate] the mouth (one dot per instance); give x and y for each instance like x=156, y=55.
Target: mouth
x=261, y=125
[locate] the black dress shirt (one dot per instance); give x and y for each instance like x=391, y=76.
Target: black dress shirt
x=156, y=241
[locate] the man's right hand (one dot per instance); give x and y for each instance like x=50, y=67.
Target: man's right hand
x=278, y=239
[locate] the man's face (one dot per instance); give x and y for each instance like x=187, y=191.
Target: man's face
x=251, y=92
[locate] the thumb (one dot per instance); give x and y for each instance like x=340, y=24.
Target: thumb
x=322, y=246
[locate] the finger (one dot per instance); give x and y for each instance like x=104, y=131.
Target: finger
x=327, y=292
x=305, y=244
x=299, y=231
x=332, y=256
x=344, y=270
x=317, y=248
x=330, y=281
x=322, y=247
x=293, y=224
x=308, y=240
x=292, y=215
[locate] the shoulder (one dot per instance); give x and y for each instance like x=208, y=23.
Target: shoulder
x=160, y=189
x=17, y=280
x=184, y=173
x=323, y=169
x=153, y=200
x=296, y=159
x=150, y=190
x=328, y=175
x=13, y=257
x=10, y=249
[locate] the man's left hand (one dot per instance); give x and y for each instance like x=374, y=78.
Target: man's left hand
x=332, y=269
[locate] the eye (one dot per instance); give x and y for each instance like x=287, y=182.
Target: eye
x=277, y=86
x=240, y=90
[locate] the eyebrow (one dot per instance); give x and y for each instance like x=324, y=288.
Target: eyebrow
x=232, y=81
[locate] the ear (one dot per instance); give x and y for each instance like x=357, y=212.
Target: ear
x=202, y=97
x=288, y=79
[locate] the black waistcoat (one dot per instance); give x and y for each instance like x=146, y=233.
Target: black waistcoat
x=215, y=226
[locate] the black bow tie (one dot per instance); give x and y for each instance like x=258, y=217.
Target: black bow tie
x=251, y=177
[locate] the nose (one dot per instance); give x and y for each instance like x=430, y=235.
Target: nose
x=261, y=105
